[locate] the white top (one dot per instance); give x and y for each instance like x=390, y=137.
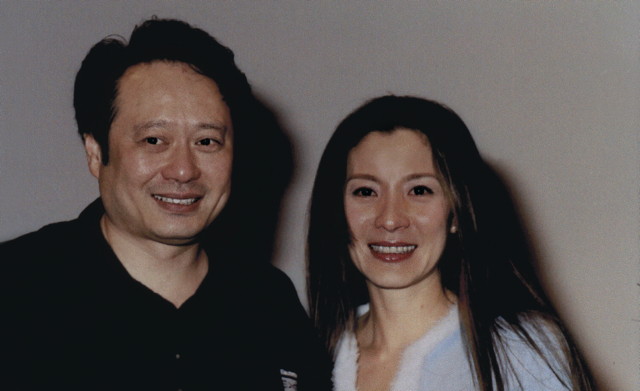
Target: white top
x=438, y=361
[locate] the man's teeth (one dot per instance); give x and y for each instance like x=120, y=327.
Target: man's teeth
x=179, y=201
x=393, y=249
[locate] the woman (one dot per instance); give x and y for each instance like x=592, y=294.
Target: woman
x=418, y=278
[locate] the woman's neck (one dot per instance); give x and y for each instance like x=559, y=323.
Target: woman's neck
x=398, y=317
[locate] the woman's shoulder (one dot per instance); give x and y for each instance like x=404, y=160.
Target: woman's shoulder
x=531, y=330
x=533, y=353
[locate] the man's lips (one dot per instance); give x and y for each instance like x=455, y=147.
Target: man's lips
x=392, y=252
x=180, y=200
x=178, y=203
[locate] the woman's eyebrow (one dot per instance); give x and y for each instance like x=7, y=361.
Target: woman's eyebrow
x=368, y=177
x=421, y=176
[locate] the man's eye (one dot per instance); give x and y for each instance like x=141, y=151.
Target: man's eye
x=363, y=192
x=208, y=141
x=421, y=190
x=152, y=140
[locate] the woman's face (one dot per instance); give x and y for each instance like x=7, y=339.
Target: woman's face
x=397, y=210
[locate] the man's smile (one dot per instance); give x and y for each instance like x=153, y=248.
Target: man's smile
x=178, y=201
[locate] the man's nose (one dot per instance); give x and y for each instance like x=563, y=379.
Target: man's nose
x=182, y=165
x=392, y=214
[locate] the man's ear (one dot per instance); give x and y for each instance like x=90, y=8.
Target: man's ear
x=94, y=154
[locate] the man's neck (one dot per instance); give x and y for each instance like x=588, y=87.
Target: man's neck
x=174, y=272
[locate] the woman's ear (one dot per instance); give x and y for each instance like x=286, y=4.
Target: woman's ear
x=453, y=223
x=94, y=154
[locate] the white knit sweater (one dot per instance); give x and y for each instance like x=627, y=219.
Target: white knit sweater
x=438, y=362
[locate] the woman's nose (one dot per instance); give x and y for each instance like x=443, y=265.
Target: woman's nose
x=392, y=214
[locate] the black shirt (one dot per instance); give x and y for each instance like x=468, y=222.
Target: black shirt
x=73, y=318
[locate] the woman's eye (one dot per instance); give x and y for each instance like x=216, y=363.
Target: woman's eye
x=152, y=140
x=421, y=190
x=363, y=192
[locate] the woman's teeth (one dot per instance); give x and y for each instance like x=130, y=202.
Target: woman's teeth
x=392, y=249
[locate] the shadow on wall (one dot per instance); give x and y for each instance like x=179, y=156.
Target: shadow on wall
x=525, y=238
x=262, y=172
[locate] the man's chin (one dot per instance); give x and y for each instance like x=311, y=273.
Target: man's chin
x=180, y=242
x=178, y=238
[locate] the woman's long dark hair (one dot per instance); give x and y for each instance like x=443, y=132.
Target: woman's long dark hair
x=486, y=264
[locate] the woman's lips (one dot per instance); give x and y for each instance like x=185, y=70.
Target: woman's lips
x=392, y=252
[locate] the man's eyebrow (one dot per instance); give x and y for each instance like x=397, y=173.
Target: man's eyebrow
x=212, y=125
x=165, y=124
x=150, y=124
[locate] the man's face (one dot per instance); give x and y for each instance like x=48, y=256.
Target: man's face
x=170, y=155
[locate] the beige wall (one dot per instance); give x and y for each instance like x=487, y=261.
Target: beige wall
x=551, y=91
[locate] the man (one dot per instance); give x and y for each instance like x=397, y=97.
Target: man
x=161, y=283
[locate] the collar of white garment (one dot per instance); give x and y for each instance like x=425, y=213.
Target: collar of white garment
x=408, y=375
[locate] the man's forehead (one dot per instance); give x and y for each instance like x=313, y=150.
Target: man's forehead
x=158, y=73
x=142, y=68
x=154, y=94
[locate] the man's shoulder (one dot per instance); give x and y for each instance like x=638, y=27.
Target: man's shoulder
x=52, y=237
x=39, y=240
x=39, y=252
x=48, y=233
